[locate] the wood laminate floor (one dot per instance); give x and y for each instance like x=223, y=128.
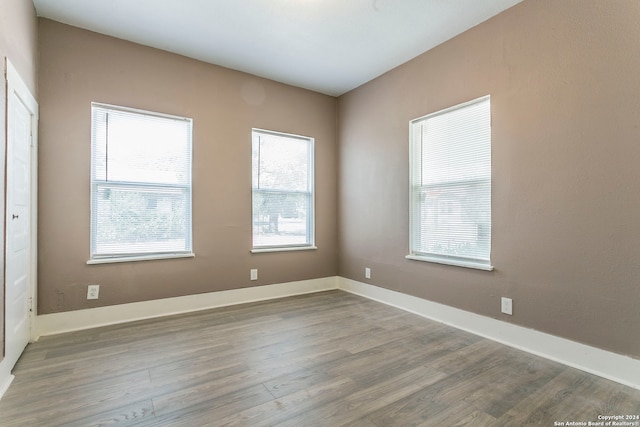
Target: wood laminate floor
x=325, y=359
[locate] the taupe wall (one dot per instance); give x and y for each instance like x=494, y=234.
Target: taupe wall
x=565, y=105
x=78, y=67
x=565, y=91
x=18, y=42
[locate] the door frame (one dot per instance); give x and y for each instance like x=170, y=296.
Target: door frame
x=15, y=84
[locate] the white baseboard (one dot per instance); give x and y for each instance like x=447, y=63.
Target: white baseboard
x=622, y=369
x=5, y=380
x=56, y=323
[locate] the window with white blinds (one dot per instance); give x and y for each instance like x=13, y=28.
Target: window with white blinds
x=282, y=191
x=140, y=184
x=450, y=211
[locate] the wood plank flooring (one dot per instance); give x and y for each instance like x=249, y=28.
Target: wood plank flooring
x=325, y=359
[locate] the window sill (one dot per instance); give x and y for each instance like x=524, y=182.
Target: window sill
x=283, y=249
x=454, y=262
x=110, y=260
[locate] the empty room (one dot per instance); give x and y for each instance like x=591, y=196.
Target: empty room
x=320, y=213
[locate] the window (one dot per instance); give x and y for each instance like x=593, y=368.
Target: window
x=283, y=211
x=451, y=186
x=140, y=184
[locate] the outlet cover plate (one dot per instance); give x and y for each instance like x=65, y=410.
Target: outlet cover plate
x=506, y=306
x=93, y=291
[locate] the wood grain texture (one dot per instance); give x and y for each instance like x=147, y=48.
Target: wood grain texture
x=325, y=359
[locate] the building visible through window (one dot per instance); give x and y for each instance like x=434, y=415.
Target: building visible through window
x=140, y=183
x=451, y=186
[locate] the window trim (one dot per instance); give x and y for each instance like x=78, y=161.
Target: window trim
x=415, y=165
x=311, y=216
x=451, y=261
x=131, y=257
x=114, y=259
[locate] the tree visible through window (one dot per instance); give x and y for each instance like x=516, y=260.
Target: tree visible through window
x=451, y=186
x=140, y=183
x=282, y=190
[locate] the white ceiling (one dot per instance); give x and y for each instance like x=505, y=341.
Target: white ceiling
x=329, y=46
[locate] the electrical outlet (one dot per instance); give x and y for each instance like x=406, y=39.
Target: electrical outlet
x=367, y=273
x=93, y=291
x=507, y=306
x=254, y=274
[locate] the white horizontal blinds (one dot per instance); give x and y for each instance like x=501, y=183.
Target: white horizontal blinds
x=141, y=183
x=282, y=190
x=451, y=180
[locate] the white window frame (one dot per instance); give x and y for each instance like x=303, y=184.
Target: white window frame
x=416, y=188
x=101, y=258
x=310, y=192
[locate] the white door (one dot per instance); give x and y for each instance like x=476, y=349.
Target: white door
x=19, y=259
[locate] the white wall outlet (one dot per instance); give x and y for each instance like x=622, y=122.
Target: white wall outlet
x=367, y=273
x=254, y=274
x=93, y=291
x=506, y=306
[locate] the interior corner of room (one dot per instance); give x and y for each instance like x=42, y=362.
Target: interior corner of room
x=565, y=100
